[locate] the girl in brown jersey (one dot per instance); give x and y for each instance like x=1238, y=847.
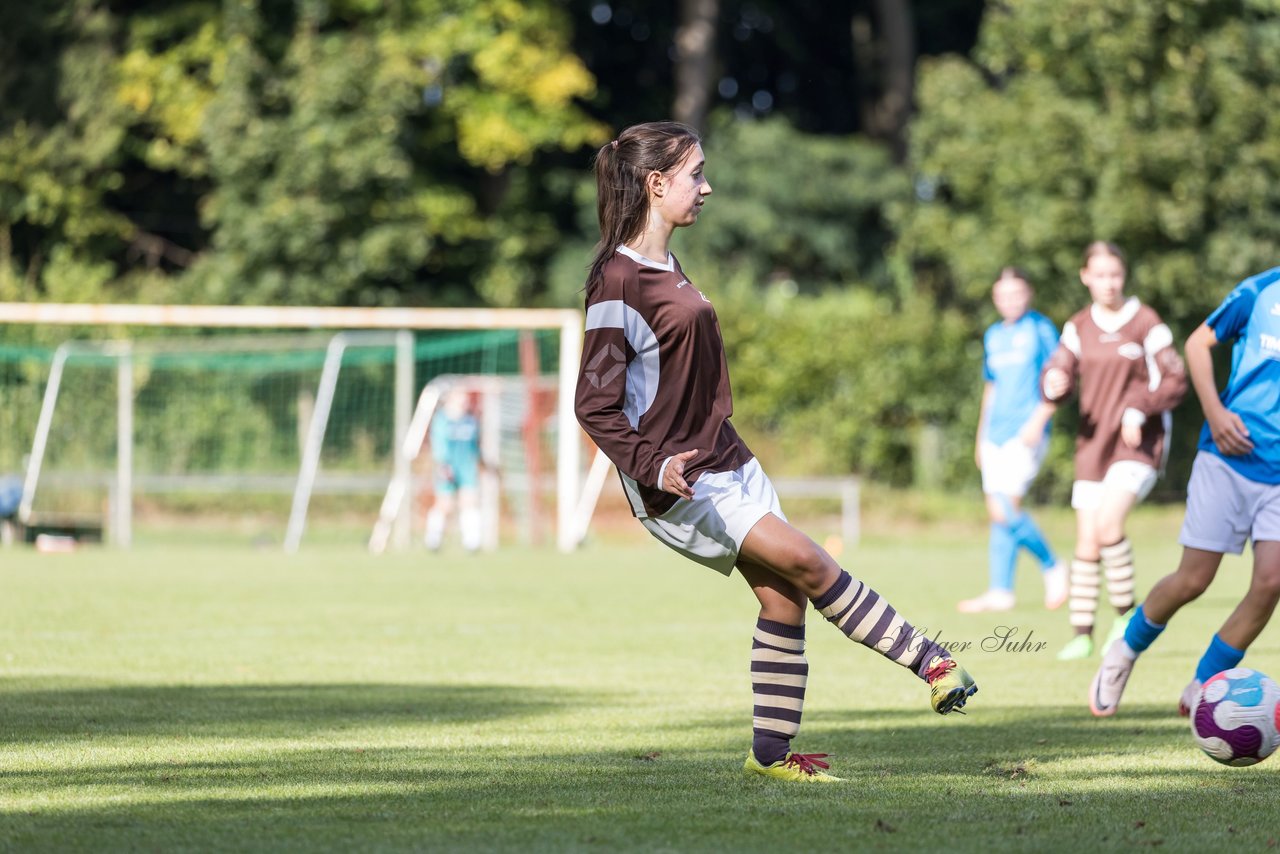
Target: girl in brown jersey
x=653, y=393
x=1120, y=356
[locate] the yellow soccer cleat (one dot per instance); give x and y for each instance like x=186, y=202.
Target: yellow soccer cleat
x=949, y=685
x=795, y=768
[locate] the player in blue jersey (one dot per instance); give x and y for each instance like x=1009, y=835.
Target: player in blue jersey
x=1013, y=433
x=455, y=449
x=1233, y=496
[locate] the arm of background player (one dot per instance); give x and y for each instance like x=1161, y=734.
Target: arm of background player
x=1058, y=379
x=1032, y=432
x=1229, y=433
x=601, y=395
x=988, y=392
x=1162, y=360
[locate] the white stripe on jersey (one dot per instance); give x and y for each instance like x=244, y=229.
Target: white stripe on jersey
x=642, y=372
x=648, y=262
x=1071, y=338
x=1157, y=339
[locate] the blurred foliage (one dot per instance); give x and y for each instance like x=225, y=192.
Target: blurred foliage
x=1148, y=124
x=318, y=152
x=802, y=211
x=846, y=380
x=436, y=152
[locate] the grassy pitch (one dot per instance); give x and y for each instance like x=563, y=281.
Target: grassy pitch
x=226, y=698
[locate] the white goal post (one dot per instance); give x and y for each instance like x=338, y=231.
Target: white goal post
x=569, y=323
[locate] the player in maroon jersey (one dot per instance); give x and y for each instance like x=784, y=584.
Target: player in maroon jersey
x=653, y=393
x=1119, y=355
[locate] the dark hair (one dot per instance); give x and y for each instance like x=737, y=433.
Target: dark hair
x=1013, y=273
x=1104, y=247
x=622, y=166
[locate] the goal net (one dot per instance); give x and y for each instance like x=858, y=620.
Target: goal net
x=281, y=421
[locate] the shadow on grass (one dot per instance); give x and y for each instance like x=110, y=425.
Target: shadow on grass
x=1010, y=779
x=49, y=710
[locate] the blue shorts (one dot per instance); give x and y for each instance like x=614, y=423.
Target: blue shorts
x=1225, y=509
x=465, y=476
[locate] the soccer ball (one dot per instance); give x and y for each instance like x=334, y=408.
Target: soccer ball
x=1236, y=719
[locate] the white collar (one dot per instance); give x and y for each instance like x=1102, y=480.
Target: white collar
x=1110, y=321
x=669, y=265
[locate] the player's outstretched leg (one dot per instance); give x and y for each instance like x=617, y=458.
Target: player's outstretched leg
x=868, y=618
x=1109, y=682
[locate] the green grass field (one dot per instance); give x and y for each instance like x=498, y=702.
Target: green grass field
x=220, y=697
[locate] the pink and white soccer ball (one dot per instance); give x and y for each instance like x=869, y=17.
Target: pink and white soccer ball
x=1237, y=717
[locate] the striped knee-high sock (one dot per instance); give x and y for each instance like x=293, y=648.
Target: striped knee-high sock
x=778, y=675
x=868, y=618
x=1084, y=594
x=1117, y=560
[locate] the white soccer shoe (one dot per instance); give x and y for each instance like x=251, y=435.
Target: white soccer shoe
x=1189, y=699
x=1055, y=586
x=1108, y=683
x=989, y=600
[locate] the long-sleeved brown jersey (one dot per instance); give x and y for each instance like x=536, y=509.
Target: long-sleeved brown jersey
x=1127, y=372
x=654, y=381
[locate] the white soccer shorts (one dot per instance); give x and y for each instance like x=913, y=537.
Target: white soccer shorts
x=710, y=527
x=1225, y=508
x=1008, y=469
x=1125, y=475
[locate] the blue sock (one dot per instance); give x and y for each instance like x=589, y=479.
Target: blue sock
x=1028, y=535
x=1218, y=657
x=1002, y=552
x=1141, y=632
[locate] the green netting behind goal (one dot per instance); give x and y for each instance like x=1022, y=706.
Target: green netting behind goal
x=220, y=418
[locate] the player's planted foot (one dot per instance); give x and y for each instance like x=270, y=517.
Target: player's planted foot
x=1190, y=697
x=1108, y=683
x=1055, y=586
x=950, y=686
x=1079, y=647
x=1117, y=631
x=989, y=600
x=794, y=768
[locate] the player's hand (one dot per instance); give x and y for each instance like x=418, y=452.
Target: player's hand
x=1229, y=432
x=673, y=478
x=1131, y=435
x=1056, y=383
x=1031, y=435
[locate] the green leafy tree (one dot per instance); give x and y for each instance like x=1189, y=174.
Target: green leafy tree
x=1145, y=123
x=329, y=152
x=1149, y=124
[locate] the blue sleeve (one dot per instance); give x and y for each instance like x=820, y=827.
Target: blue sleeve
x=439, y=436
x=987, y=375
x=1048, y=338
x=1231, y=317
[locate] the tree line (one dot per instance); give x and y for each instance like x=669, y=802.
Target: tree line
x=875, y=164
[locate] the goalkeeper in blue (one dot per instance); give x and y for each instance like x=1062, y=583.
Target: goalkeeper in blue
x=1013, y=434
x=1233, y=496
x=455, y=450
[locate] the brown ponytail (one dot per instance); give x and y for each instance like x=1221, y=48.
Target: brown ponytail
x=622, y=166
